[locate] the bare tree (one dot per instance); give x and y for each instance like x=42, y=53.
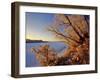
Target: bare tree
x=75, y=34
x=73, y=30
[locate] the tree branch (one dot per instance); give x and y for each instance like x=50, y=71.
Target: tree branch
x=62, y=35
x=74, y=28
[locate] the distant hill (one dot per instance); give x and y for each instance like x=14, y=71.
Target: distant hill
x=34, y=41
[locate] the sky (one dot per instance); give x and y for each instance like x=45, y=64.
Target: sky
x=37, y=24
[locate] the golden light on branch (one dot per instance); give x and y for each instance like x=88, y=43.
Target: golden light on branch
x=61, y=18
